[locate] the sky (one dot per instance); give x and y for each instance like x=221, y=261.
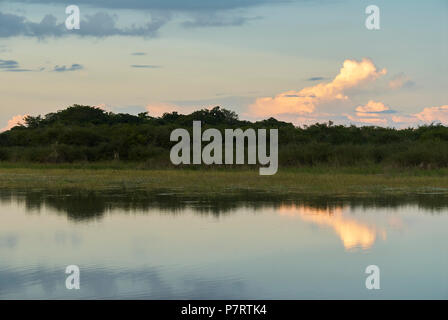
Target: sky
x=300, y=61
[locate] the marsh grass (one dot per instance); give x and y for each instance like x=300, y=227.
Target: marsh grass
x=321, y=180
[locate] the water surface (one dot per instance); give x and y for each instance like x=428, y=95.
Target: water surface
x=163, y=247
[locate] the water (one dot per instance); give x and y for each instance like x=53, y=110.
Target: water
x=166, y=247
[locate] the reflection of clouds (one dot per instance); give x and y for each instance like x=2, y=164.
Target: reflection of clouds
x=396, y=222
x=8, y=241
x=104, y=283
x=65, y=238
x=353, y=233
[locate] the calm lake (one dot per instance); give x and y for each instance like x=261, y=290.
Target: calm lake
x=169, y=247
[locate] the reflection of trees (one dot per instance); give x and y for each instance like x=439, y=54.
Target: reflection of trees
x=80, y=206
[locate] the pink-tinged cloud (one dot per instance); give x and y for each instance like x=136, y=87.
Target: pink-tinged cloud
x=158, y=109
x=434, y=114
x=103, y=107
x=15, y=121
x=374, y=116
x=352, y=74
x=373, y=119
x=427, y=116
x=406, y=119
x=372, y=107
x=370, y=113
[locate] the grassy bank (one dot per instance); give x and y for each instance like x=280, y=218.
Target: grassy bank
x=117, y=177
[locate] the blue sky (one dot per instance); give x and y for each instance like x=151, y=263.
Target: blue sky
x=256, y=57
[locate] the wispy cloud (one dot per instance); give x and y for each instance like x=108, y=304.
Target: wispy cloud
x=316, y=79
x=401, y=81
x=8, y=64
x=138, y=53
x=11, y=66
x=217, y=20
x=145, y=66
x=73, y=67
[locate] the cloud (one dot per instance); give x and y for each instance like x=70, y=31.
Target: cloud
x=352, y=74
x=8, y=64
x=434, y=114
x=316, y=79
x=401, y=81
x=11, y=66
x=404, y=120
x=14, y=121
x=172, y=5
x=97, y=25
x=372, y=113
x=103, y=106
x=145, y=66
x=138, y=53
x=216, y=20
x=14, y=66
x=14, y=25
x=377, y=113
x=104, y=25
x=18, y=70
x=426, y=116
x=372, y=106
x=373, y=121
x=205, y=13
x=131, y=109
x=158, y=109
x=63, y=68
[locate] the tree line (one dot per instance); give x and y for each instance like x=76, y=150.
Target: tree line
x=84, y=133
